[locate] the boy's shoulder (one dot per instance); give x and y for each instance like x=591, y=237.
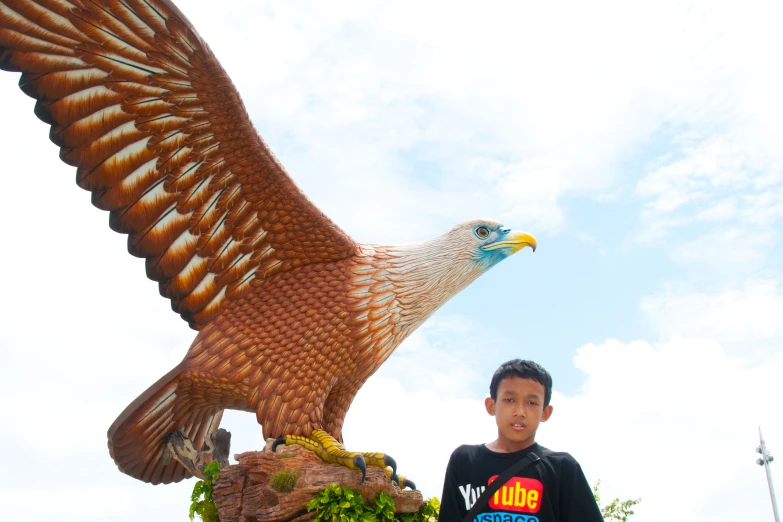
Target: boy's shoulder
x=465, y=453
x=562, y=457
x=471, y=449
x=470, y=453
x=467, y=449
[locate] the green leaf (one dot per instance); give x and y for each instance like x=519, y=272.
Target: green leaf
x=202, y=503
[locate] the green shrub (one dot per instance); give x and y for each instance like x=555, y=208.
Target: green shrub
x=338, y=504
x=284, y=480
x=617, y=509
x=205, y=508
x=428, y=512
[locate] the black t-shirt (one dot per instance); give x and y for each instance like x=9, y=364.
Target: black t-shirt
x=551, y=490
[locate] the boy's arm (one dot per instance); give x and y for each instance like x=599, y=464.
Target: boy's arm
x=449, y=501
x=577, y=503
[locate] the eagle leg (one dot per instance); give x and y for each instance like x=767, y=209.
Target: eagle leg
x=330, y=450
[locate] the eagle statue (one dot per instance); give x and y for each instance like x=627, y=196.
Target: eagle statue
x=292, y=315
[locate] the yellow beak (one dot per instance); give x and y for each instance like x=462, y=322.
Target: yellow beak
x=514, y=241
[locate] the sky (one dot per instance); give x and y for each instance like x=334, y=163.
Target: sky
x=638, y=141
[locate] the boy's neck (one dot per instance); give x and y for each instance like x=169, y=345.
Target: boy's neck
x=506, y=446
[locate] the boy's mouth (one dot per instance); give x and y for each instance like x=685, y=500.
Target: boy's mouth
x=517, y=425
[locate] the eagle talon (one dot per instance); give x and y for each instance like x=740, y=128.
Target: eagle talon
x=278, y=441
x=389, y=461
x=403, y=482
x=359, y=462
x=380, y=460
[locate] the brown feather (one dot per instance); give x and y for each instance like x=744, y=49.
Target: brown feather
x=207, y=215
x=50, y=16
x=147, y=105
x=154, y=239
x=55, y=85
x=83, y=132
x=128, y=169
x=11, y=21
x=133, y=89
x=16, y=40
x=78, y=105
x=110, y=34
x=122, y=22
x=39, y=62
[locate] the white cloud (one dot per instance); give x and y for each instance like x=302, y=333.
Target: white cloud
x=674, y=423
x=711, y=164
x=765, y=208
x=68, y=501
x=729, y=253
x=741, y=317
x=730, y=183
x=448, y=354
x=718, y=178
x=723, y=210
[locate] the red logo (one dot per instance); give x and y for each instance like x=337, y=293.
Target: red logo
x=518, y=494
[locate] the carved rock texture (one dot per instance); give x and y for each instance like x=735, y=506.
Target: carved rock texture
x=243, y=492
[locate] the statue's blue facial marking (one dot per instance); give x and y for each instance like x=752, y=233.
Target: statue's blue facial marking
x=488, y=235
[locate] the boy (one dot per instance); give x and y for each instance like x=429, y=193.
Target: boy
x=552, y=490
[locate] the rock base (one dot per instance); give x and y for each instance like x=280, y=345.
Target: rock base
x=244, y=492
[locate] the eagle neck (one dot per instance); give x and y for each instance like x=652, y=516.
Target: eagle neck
x=425, y=275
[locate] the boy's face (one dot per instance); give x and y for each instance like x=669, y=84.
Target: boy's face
x=518, y=411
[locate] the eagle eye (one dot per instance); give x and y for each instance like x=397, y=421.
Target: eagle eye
x=482, y=232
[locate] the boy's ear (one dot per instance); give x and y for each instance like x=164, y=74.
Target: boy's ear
x=547, y=413
x=489, y=404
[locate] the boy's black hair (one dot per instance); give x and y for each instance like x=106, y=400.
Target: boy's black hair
x=525, y=370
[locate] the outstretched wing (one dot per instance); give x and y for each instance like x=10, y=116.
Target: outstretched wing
x=158, y=133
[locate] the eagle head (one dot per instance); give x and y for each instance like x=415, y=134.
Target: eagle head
x=485, y=242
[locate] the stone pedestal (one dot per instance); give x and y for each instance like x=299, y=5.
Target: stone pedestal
x=244, y=491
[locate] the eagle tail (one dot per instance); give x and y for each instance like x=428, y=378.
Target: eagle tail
x=137, y=438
